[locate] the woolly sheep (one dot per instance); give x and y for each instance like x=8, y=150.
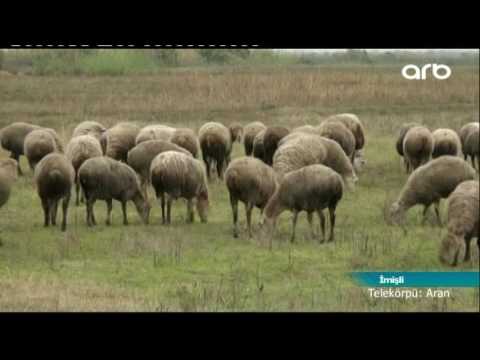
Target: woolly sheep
x=298, y=150
x=258, y=148
x=311, y=189
x=79, y=149
x=417, y=147
x=216, y=145
x=54, y=176
x=92, y=128
x=38, y=144
x=249, y=132
x=464, y=132
x=180, y=176
x=103, y=178
x=399, y=144
x=13, y=139
x=430, y=183
x=336, y=131
x=236, y=132
x=118, y=140
x=472, y=145
x=446, y=142
x=353, y=123
x=271, y=138
x=8, y=174
x=141, y=156
x=155, y=132
x=252, y=182
x=187, y=139
x=307, y=129
x=463, y=215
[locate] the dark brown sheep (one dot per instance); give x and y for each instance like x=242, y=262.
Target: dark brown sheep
x=271, y=138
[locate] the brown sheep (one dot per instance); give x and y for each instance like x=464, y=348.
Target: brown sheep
x=472, y=144
x=236, y=132
x=258, y=148
x=38, y=144
x=353, y=123
x=399, y=144
x=446, y=142
x=92, y=128
x=8, y=174
x=216, y=144
x=155, y=132
x=187, y=139
x=249, y=132
x=271, y=138
x=118, y=140
x=336, y=131
x=464, y=132
x=417, y=147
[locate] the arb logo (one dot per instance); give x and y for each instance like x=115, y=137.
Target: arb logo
x=413, y=72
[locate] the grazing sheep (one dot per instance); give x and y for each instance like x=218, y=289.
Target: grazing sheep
x=187, y=139
x=155, y=132
x=252, y=182
x=141, y=156
x=13, y=139
x=446, y=142
x=298, y=150
x=353, y=123
x=430, y=183
x=271, y=138
x=38, y=144
x=118, y=140
x=258, y=148
x=103, y=178
x=180, y=176
x=336, y=131
x=236, y=132
x=8, y=174
x=399, y=144
x=92, y=128
x=54, y=176
x=312, y=188
x=463, y=215
x=216, y=145
x=472, y=145
x=417, y=147
x=307, y=129
x=79, y=149
x=249, y=132
x=464, y=132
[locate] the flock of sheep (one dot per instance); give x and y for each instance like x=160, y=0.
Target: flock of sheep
x=303, y=169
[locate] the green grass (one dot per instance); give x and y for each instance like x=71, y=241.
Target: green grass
x=201, y=267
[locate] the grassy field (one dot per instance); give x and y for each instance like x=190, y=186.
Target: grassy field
x=201, y=267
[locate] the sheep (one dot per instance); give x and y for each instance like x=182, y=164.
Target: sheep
x=353, y=123
x=307, y=129
x=417, y=147
x=463, y=215
x=258, y=148
x=39, y=143
x=446, y=142
x=216, y=145
x=92, y=128
x=430, y=183
x=463, y=134
x=312, y=189
x=13, y=139
x=472, y=144
x=79, y=149
x=271, y=138
x=336, y=131
x=399, y=144
x=103, y=178
x=187, y=139
x=118, y=140
x=54, y=176
x=8, y=174
x=141, y=156
x=249, y=133
x=179, y=175
x=252, y=182
x=236, y=132
x=298, y=150
x=155, y=132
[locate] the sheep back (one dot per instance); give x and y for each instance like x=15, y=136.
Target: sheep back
x=187, y=139
x=155, y=132
x=338, y=132
x=54, y=176
x=38, y=144
x=119, y=140
x=249, y=133
x=401, y=136
x=258, y=147
x=92, y=128
x=13, y=136
x=446, y=142
x=418, y=146
x=81, y=148
x=353, y=123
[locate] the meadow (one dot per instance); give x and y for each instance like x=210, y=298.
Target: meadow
x=201, y=267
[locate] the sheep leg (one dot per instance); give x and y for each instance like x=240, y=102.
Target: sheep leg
x=92, y=213
x=310, y=222
x=124, y=211
x=77, y=191
x=109, y=212
x=248, y=210
x=294, y=223
x=65, y=203
x=322, y=223
x=89, y=212
x=16, y=157
x=332, y=222
x=169, y=209
x=220, y=168
x=207, y=166
x=467, y=247
x=53, y=212
x=46, y=212
x=190, y=215
x=437, y=212
x=424, y=215
x=234, y=204
x=162, y=199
